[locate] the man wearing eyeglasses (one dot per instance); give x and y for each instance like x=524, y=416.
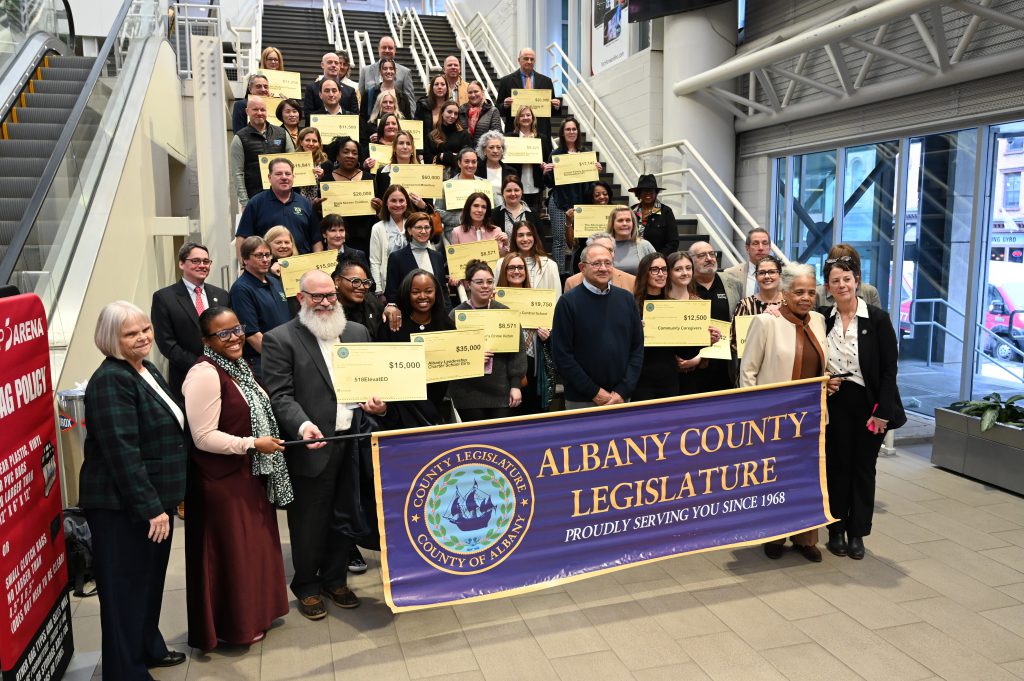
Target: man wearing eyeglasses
x=759, y=245
x=258, y=300
x=176, y=309
x=724, y=291
x=298, y=374
x=597, y=339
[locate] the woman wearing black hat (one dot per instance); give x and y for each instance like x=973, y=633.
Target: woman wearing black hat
x=656, y=220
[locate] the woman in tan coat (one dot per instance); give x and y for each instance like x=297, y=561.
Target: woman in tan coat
x=786, y=347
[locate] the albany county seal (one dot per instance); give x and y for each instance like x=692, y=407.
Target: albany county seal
x=469, y=509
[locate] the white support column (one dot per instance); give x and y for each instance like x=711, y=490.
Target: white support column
x=695, y=42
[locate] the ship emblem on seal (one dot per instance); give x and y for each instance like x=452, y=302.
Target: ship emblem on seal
x=469, y=509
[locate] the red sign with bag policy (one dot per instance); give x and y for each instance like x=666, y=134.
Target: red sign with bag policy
x=35, y=637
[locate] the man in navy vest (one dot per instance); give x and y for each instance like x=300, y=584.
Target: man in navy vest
x=259, y=137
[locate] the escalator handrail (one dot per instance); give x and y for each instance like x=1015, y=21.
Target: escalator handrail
x=19, y=72
x=71, y=23
x=10, y=259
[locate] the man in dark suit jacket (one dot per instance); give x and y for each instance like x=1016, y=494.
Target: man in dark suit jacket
x=525, y=78
x=175, y=312
x=297, y=373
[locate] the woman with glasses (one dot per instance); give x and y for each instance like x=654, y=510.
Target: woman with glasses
x=768, y=275
x=787, y=347
x=237, y=477
x=862, y=406
x=539, y=387
x=497, y=392
x=630, y=247
x=355, y=293
x=658, y=373
x=422, y=311
x=417, y=254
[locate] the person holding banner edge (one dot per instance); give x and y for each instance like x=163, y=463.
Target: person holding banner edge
x=298, y=375
x=865, y=404
x=788, y=347
x=132, y=478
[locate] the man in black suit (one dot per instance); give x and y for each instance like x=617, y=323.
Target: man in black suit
x=176, y=309
x=297, y=372
x=335, y=67
x=525, y=78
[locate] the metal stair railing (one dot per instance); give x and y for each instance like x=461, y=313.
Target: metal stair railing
x=419, y=43
x=362, y=39
x=247, y=52
x=341, y=41
x=470, y=56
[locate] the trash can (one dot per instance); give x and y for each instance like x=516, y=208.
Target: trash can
x=71, y=424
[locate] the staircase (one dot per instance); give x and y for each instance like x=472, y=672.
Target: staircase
x=300, y=35
x=28, y=137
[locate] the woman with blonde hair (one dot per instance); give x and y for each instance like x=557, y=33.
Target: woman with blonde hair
x=271, y=58
x=630, y=247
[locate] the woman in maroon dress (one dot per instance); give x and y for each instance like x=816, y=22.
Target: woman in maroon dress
x=234, y=570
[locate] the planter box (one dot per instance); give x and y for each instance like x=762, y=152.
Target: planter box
x=995, y=457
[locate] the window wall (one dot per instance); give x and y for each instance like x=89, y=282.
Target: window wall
x=938, y=223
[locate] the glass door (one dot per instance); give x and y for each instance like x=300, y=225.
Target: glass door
x=936, y=246
x=1000, y=328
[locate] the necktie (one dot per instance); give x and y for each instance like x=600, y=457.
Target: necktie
x=529, y=83
x=199, y=300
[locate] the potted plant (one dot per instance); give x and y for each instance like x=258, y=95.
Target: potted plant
x=983, y=439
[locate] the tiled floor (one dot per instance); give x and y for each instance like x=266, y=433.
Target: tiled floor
x=940, y=595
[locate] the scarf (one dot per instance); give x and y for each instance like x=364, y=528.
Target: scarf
x=472, y=116
x=396, y=236
x=273, y=466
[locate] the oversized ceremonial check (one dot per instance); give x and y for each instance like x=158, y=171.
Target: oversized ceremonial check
x=272, y=103
x=302, y=168
x=414, y=127
x=347, y=198
x=522, y=150
x=742, y=329
x=490, y=509
x=335, y=126
x=501, y=327
x=394, y=372
x=293, y=268
x=459, y=255
x=575, y=168
x=668, y=323
x=452, y=355
x=538, y=100
x=287, y=84
x=590, y=220
x=536, y=306
x=457, y=191
x=722, y=349
x=419, y=178
x=380, y=153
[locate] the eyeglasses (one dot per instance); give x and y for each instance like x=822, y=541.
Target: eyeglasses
x=768, y=273
x=599, y=264
x=318, y=298
x=261, y=256
x=226, y=334
x=710, y=255
x=482, y=282
x=516, y=268
x=658, y=270
x=199, y=261
x=420, y=228
x=357, y=282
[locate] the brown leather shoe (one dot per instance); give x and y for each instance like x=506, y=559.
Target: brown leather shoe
x=312, y=608
x=811, y=553
x=342, y=596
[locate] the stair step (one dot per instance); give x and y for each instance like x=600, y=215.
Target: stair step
x=21, y=167
x=11, y=150
x=51, y=101
x=76, y=75
x=57, y=87
x=20, y=187
x=36, y=115
x=70, y=62
x=12, y=209
x=34, y=131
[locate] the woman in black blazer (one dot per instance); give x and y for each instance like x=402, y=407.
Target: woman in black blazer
x=132, y=478
x=862, y=346
x=418, y=228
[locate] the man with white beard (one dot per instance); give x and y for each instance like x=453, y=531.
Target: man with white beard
x=298, y=374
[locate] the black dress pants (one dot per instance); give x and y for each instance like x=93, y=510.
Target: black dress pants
x=130, y=571
x=319, y=550
x=851, y=451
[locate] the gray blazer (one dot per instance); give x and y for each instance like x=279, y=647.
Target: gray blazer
x=300, y=388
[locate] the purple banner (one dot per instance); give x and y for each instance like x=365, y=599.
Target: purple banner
x=477, y=511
